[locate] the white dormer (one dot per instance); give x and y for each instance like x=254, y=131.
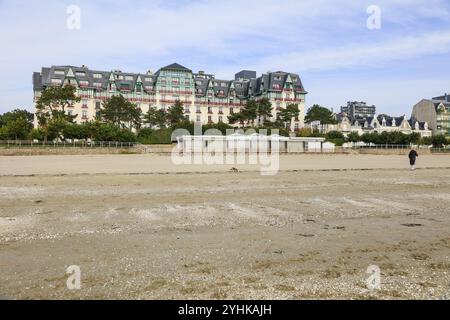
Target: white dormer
x=417, y=125
x=393, y=122
x=70, y=73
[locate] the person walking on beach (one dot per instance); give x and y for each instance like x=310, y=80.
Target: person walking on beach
x=412, y=159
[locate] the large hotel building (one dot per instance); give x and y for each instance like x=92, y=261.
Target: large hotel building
x=205, y=99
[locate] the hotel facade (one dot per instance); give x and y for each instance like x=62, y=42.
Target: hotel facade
x=205, y=98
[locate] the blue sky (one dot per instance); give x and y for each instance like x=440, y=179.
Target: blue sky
x=327, y=42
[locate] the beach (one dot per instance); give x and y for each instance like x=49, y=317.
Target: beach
x=140, y=227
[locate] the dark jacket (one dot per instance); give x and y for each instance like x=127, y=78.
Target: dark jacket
x=413, y=154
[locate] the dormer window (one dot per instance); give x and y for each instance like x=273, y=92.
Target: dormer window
x=98, y=76
x=277, y=78
x=60, y=72
x=81, y=74
x=56, y=81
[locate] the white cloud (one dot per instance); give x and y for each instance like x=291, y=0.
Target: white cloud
x=218, y=36
x=359, y=55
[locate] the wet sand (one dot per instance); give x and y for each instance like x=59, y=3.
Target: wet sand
x=224, y=235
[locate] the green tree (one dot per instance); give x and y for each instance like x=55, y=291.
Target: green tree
x=51, y=109
x=264, y=110
x=53, y=102
x=175, y=114
x=16, y=114
x=16, y=124
x=120, y=112
x=237, y=118
x=250, y=112
x=286, y=115
x=353, y=137
x=319, y=113
x=18, y=129
x=414, y=138
x=438, y=141
x=156, y=117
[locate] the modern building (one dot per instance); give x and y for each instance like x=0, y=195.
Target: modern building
x=382, y=123
x=205, y=99
x=358, y=109
x=436, y=112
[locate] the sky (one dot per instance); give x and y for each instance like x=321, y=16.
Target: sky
x=327, y=42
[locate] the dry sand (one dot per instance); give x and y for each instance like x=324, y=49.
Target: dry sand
x=295, y=235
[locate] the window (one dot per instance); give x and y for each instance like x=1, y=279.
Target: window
x=198, y=119
x=84, y=103
x=81, y=74
x=60, y=72
x=187, y=118
x=84, y=83
x=223, y=84
x=56, y=81
x=84, y=114
x=97, y=76
x=97, y=85
x=148, y=80
x=210, y=110
x=97, y=104
x=276, y=86
x=186, y=109
x=220, y=110
x=129, y=78
x=277, y=78
x=231, y=111
x=209, y=119
x=220, y=119
x=199, y=109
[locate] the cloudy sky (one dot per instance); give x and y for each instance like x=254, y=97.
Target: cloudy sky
x=326, y=41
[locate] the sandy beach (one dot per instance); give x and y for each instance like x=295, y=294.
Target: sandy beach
x=140, y=227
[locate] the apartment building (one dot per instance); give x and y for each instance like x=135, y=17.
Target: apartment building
x=436, y=112
x=205, y=98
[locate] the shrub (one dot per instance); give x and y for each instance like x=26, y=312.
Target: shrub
x=160, y=136
x=438, y=141
x=333, y=135
x=37, y=134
